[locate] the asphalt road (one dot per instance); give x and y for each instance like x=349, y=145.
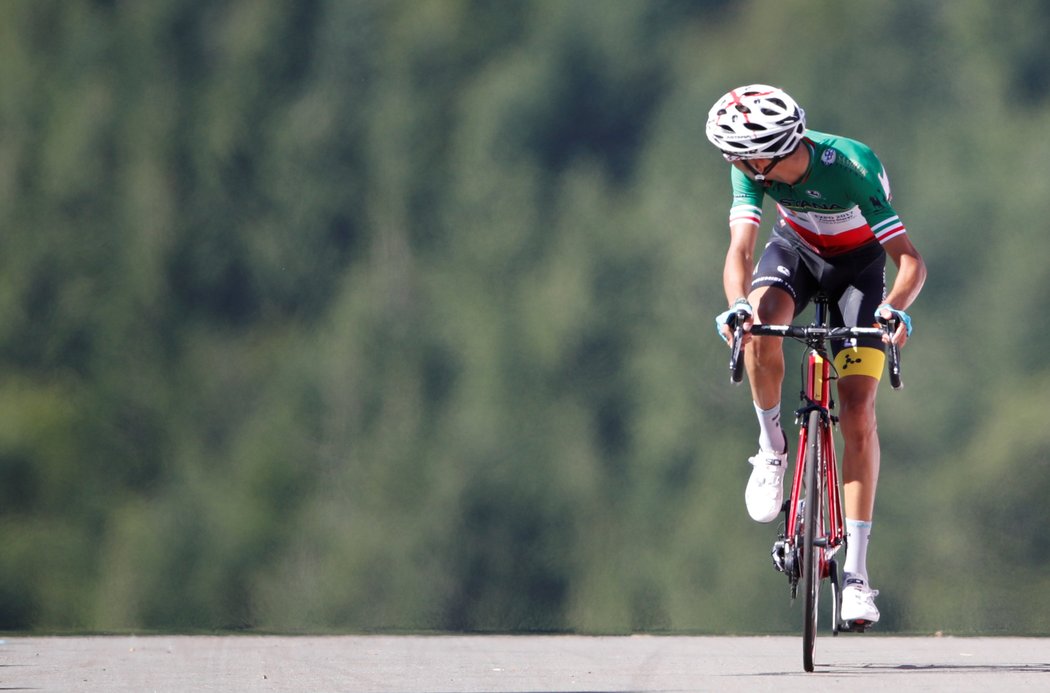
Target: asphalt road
x=434, y=664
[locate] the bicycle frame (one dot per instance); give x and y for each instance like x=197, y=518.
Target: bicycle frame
x=831, y=529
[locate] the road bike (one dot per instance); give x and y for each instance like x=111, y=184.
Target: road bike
x=814, y=527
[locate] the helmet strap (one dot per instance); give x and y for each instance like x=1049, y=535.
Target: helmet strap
x=761, y=175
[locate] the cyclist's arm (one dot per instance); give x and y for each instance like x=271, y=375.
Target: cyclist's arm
x=874, y=198
x=740, y=260
x=745, y=218
x=911, y=275
x=736, y=275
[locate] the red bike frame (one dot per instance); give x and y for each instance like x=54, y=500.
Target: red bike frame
x=831, y=530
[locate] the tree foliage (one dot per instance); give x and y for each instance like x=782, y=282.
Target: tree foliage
x=396, y=314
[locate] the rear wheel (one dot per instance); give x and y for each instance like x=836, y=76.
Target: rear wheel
x=811, y=552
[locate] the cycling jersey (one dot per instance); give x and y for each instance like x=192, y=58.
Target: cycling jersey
x=841, y=203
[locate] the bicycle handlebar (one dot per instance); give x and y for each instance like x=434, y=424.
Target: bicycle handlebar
x=807, y=332
x=736, y=359
x=812, y=334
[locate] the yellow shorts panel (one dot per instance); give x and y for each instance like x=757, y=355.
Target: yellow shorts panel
x=860, y=360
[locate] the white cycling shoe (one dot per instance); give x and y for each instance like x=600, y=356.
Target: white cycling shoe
x=858, y=602
x=764, y=495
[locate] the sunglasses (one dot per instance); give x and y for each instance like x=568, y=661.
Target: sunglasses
x=759, y=175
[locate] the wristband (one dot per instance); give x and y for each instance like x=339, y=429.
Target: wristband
x=899, y=314
x=724, y=318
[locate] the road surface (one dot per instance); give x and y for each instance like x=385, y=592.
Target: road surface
x=519, y=663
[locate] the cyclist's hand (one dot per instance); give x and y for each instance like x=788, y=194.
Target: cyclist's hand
x=725, y=322
x=887, y=314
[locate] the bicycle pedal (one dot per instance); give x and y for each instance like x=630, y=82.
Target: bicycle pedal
x=858, y=626
x=779, y=554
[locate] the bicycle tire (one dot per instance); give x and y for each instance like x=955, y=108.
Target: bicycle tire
x=836, y=596
x=810, y=552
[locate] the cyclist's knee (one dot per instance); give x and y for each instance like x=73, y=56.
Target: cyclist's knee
x=767, y=353
x=858, y=417
x=857, y=400
x=772, y=305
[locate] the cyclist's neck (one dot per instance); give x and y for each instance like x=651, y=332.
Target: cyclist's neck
x=807, y=150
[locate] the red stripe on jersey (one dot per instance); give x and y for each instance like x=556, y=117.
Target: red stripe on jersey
x=753, y=218
x=833, y=244
x=890, y=232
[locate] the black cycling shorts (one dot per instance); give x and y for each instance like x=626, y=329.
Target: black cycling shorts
x=855, y=283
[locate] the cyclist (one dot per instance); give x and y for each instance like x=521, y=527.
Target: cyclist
x=834, y=227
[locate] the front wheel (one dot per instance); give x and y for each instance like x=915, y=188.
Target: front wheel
x=810, y=526
x=836, y=596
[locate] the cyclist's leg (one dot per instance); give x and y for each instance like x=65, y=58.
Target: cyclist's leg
x=764, y=357
x=859, y=366
x=764, y=360
x=860, y=475
x=781, y=287
x=773, y=297
x=860, y=455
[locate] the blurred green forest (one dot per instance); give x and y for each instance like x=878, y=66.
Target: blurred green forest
x=387, y=315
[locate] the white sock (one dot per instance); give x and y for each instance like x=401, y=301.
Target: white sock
x=771, y=436
x=857, y=534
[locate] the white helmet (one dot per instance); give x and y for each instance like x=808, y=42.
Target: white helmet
x=756, y=122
